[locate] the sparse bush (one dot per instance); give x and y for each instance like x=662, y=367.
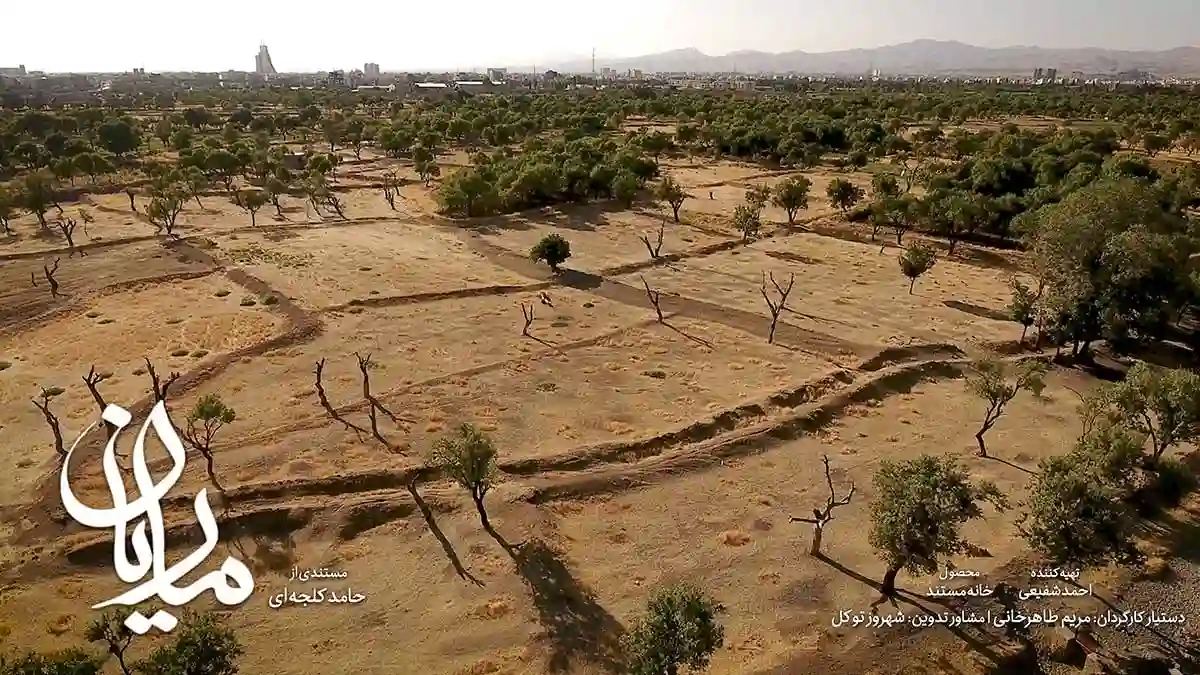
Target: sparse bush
x=221, y=293
x=1173, y=481
x=991, y=384
x=248, y=302
x=553, y=249
x=66, y=662
x=679, y=628
x=201, y=646
x=916, y=260
x=270, y=300
x=469, y=458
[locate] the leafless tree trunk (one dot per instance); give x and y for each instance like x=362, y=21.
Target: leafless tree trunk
x=130, y=193
x=320, y=369
x=67, y=227
x=821, y=517
x=159, y=387
x=49, y=272
x=51, y=421
x=92, y=379
x=364, y=366
x=655, y=298
x=527, y=311
x=336, y=205
x=656, y=248
x=776, y=307
x=33, y=279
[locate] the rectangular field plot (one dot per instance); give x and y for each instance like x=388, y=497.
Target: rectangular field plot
x=24, y=292
x=644, y=381
x=599, y=240
x=851, y=290
x=178, y=325
x=696, y=175
x=409, y=345
x=335, y=265
x=727, y=529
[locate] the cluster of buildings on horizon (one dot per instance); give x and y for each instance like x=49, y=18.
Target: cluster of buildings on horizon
x=18, y=84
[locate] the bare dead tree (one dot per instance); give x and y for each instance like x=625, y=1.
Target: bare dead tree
x=656, y=248
x=92, y=379
x=333, y=413
x=821, y=517
x=364, y=367
x=67, y=227
x=335, y=205
x=159, y=387
x=776, y=307
x=655, y=300
x=527, y=311
x=51, y=420
x=49, y=272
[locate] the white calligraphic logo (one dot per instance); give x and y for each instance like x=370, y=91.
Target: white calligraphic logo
x=149, y=551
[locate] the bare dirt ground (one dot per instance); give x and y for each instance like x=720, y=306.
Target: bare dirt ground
x=631, y=451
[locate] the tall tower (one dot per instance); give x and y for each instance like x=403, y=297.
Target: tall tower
x=262, y=62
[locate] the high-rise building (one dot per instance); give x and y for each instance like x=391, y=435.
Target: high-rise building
x=1051, y=74
x=497, y=74
x=262, y=62
x=1038, y=73
x=371, y=71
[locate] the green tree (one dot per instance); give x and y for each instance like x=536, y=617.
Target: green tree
x=672, y=193
x=119, y=137
x=747, y=220
x=37, y=195
x=65, y=662
x=553, y=249
x=201, y=646
x=843, y=194
x=1155, y=143
x=916, y=260
x=1077, y=511
x=1163, y=404
x=680, y=627
x=885, y=186
x=791, y=195
x=1023, y=306
x=468, y=457
x=625, y=188
x=991, y=382
x=919, y=509
x=110, y=629
x=206, y=418
x=7, y=206
x=164, y=208
x=250, y=201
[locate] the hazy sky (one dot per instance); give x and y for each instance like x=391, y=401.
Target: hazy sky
x=304, y=35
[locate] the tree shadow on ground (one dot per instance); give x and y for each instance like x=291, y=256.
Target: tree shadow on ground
x=979, y=641
x=427, y=513
x=578, y=627
x=977, y=310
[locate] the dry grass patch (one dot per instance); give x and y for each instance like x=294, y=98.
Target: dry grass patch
x=334, y=266
x=851, y=290
x=599, y=239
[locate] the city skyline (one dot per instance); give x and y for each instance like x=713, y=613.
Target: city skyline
x=533, y=32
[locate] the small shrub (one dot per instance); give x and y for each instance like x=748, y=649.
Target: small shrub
x=1174, y=481
x=221, y=293
x=248, y=302
x=92, y=315
x=199, y=353
x=55, y=391
x=179, y=352
x=104, y=321
x=5, y=365
x=552, y=249
x=172, y=322
x=270, y=300
x=139, y=371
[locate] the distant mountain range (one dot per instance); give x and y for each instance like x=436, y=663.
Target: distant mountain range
x=921, y=57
